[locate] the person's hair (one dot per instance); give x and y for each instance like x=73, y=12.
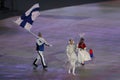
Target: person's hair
x=70, y=39
x=81, y=40
x=39, y=34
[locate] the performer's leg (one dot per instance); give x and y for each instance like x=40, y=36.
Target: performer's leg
x=73, y=70
x=69, y=70
x=42, y=59
x=36, y=61
x=73, y=67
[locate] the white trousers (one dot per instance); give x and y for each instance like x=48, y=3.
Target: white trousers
x=40, y=56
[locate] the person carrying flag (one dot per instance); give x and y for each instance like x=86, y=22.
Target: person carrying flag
x=25, y=21
x=40, y=43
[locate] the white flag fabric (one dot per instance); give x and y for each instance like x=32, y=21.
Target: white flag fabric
x=27, y=19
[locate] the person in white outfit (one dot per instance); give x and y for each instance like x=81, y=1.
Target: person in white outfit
x=40, y=42
x=72, y=58
x=83, y=55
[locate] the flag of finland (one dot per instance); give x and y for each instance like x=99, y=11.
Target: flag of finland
x=27, y=19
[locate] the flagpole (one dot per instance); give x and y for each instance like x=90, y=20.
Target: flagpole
x=33, y=34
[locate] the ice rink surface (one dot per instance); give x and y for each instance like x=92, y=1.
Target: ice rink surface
x=99, y=21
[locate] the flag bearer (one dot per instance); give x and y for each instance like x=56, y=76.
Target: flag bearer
x=40, y=43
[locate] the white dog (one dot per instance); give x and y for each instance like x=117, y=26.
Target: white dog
x=72, y=58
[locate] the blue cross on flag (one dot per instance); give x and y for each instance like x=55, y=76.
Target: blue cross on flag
x=27, y=19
